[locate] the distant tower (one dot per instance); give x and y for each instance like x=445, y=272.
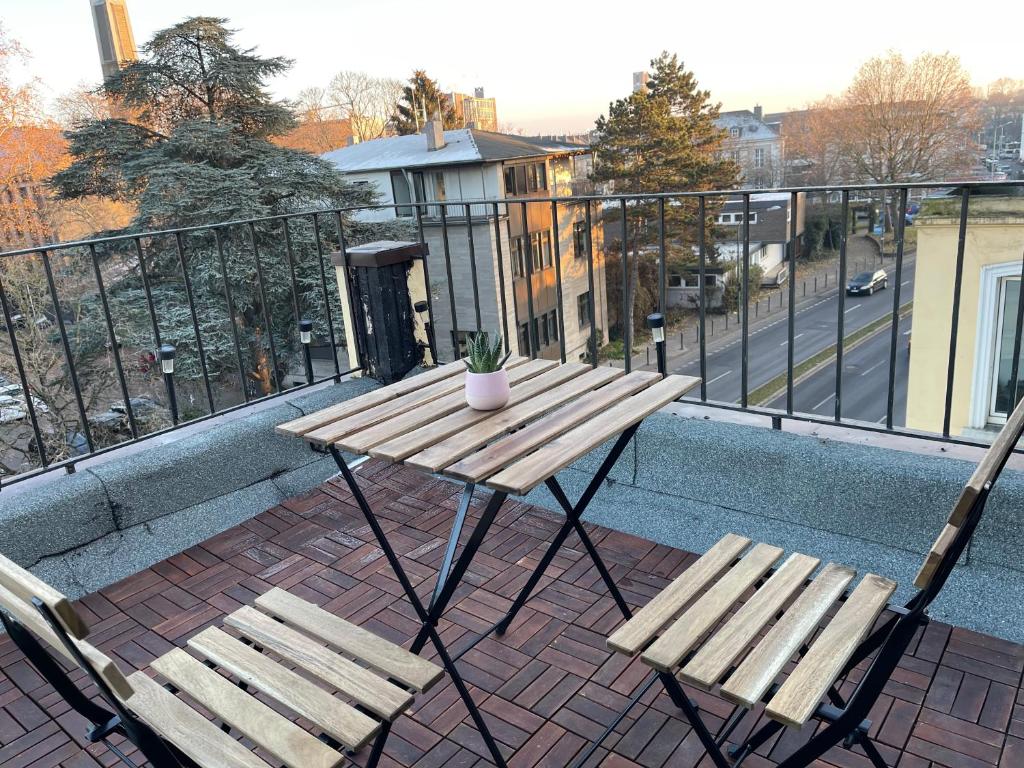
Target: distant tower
x=113, y=34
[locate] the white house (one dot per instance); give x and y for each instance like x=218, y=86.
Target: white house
x=468, y=164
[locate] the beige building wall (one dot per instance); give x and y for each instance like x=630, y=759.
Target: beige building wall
x=993, y=249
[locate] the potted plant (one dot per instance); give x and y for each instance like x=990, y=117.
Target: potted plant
x=487, y=387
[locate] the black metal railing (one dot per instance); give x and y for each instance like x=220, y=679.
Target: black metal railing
x=231, y=297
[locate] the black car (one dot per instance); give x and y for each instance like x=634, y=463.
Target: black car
x=868, y=282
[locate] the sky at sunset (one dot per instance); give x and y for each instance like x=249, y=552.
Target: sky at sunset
x=553, y=67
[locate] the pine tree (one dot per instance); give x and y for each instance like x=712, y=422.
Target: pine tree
x=190, y=144
x=421, y=100
x=663, y=139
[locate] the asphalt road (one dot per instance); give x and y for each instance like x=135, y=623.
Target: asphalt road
x=865, y=381
x=815, y=329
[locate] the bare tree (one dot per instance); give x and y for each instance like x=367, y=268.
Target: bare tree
x=367, y=102
x=904, y=121
x=812, y=152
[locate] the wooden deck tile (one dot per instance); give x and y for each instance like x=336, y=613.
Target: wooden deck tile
x=547, y=684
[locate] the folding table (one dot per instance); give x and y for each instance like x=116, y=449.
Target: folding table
x=555, y=415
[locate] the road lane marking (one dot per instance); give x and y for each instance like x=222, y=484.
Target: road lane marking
x=855, y=306
x=906, y=333
x=905, y=282
x=830, y=397
x=719, y=377
x=869, y=370
x=787, y=340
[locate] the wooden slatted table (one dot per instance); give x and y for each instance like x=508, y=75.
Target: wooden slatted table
x=556, y=415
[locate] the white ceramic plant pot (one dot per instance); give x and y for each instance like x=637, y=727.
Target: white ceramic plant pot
x=487, y=391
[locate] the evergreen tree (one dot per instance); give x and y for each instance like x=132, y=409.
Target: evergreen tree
x=190, y=144
x=421, y=100
x=663, y=139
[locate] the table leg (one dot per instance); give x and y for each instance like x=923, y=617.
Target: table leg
x=573, y=522
x=442, y=596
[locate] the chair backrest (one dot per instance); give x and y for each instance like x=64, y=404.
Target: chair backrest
x=969, y=506
x=18, y=589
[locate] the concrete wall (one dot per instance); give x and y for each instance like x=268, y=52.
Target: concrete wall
x=683, y=482
x=118, y=516
x=995, y=238
x=686, y=482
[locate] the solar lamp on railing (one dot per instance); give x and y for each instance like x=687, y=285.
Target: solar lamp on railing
x=306, y=337
x=656, y=322
x=167, y=352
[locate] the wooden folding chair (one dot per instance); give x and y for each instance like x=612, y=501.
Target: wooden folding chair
x=338, y=659
x=701, y=631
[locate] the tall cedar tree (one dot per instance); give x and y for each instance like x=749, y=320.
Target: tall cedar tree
x=422, y=96
x=661, y=140
x=190, y=144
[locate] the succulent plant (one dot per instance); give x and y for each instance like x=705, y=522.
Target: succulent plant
x=483, y=356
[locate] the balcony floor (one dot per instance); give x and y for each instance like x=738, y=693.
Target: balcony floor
x=548, y=686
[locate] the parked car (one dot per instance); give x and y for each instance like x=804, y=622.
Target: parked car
x=868, y=282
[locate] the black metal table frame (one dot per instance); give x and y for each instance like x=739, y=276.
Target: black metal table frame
x=453, y=570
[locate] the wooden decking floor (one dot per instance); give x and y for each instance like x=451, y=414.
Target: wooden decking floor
x=547, y=687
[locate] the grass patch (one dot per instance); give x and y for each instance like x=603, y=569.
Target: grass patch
x=770, y=389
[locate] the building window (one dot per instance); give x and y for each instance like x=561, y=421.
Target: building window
x=510, y=181
x=1002, y=389
x=524, y=338
x=734, y=218
x=401, y=193
x=759, y=157
x=518, y=262
x=579, y=239
x=675, y=280
x=583, y=309
x=552, y=320
x=524, y=178
x=734, y=132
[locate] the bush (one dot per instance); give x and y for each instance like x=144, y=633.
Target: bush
x=731, y=295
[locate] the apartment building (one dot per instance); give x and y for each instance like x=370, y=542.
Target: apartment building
x=476, y=111
x=983, y=386
x=755, y=145
x=446, y=167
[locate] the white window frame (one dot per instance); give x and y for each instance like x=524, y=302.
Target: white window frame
x=986, y=341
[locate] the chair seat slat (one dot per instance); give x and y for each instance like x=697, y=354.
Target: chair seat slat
x=376, y=694
x=632, y=636
x=677, y=641
x=345, y=723
x=758, y=671
x=391, y=659
x=279, y=736
x=199, y=738
x=803, y=690
x=727, y=644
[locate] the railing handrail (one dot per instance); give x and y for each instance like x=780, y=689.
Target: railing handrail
x=457, y=216
x=564, y=199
